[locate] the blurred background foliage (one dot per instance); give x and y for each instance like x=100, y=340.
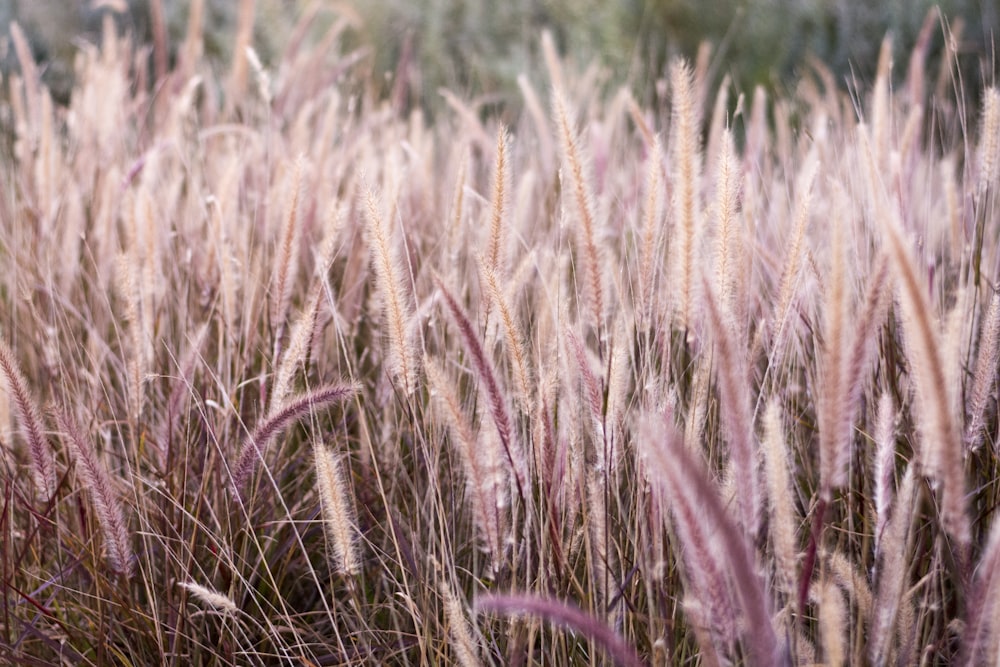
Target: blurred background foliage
x=479, y=47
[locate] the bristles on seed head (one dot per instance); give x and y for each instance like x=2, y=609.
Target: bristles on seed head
x=989, y=141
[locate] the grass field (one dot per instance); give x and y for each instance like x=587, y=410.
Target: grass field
x=296, y=374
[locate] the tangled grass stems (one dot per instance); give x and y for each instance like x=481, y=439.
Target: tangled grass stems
x=707, y=375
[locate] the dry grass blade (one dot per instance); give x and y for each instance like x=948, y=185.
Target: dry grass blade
x=565, y=615
x=254, y=445
x=182, y=387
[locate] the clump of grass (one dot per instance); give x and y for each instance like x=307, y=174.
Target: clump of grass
x=697, y=386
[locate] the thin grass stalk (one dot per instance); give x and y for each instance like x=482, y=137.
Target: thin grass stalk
x=686, y=213
x=709, y=596
x=107, y=506
x=285, y=269
x=513, y=336
x=237, y=85
x=297, y=354
x=593, y=390
x=683, y=479
x=457, y=209
x=618, y=393
x=495, y=248
x=866, y=323
x=885, y=465
x=602, y=572
x=565, y=615
x=978, y=644
x=482, y=479
x=783, y=519
x=338, y=515
x=984, y=378
x=988, y=151
x=32, y=83
x=795, y=258
x=182, y=386
x=194, y=38
x=834, y=429
x=30, y=421
x=583, y=201
x=552, y=62
x=941, y=451
x=145, y=255
x=880, y=103
x=462, y=642
x=158, y=25
x=736, y=407
x=729, y=251
x=651, y=235
x=211, y=597
x=718, y=125
x=390, y=283
x=893, y=567
x=256, y=442
x=494, y=397
x=833, y=623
